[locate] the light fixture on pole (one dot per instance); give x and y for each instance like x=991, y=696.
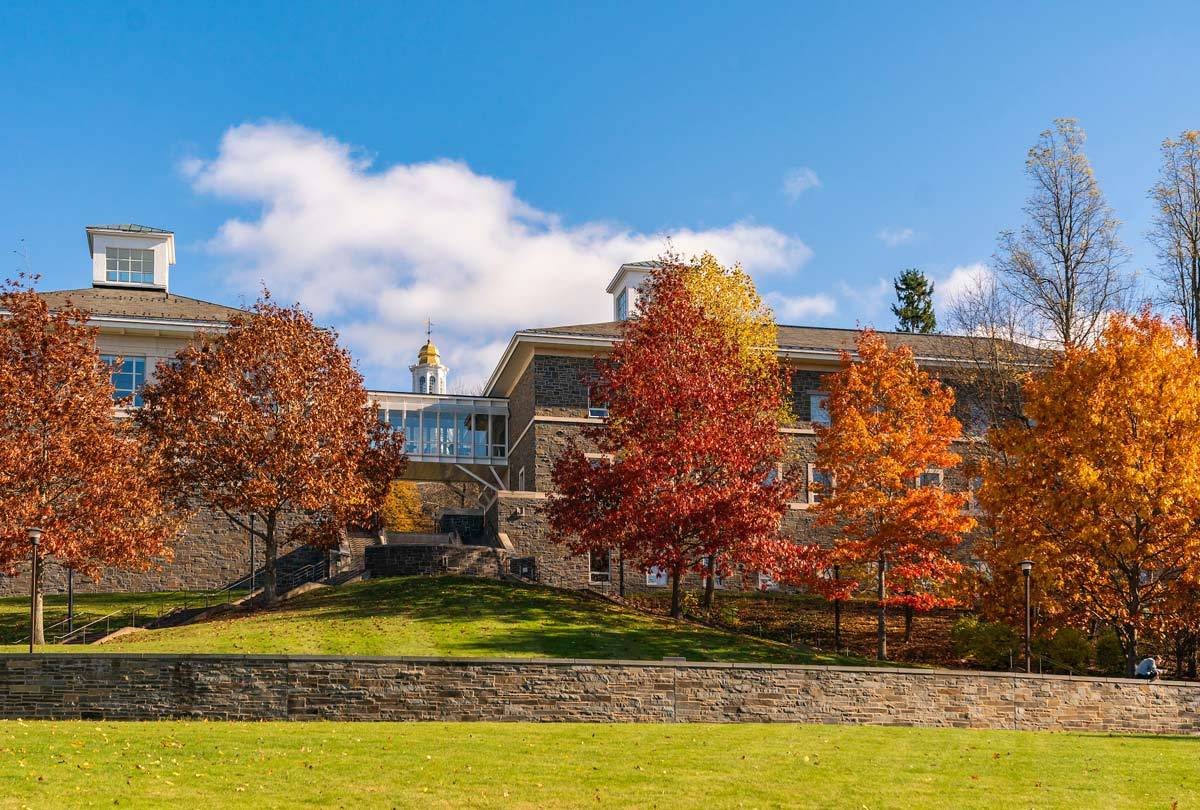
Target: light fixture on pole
x=1026, y=570
x=35, y=537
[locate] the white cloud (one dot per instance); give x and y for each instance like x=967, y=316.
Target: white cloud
x=893, y=237
x=964, y=278
x=373, y=251
x=798, y=181
x=869, y=300
x=800, y=308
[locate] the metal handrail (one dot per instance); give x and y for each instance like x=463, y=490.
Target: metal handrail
x=299, y=576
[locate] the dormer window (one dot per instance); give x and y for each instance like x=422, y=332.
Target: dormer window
x=622, y=312
x=129, y=265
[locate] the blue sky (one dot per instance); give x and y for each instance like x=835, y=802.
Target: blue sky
x=489, y=165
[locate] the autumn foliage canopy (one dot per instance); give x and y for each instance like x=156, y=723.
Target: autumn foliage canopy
x=271, y=419
x=1102, y=488
x=890, y=425
x=67, y=465
x=685, y=467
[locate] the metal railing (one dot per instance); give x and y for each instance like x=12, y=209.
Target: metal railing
x=154, y=610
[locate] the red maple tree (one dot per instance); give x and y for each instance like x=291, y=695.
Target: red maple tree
x=886, y=449
x=692, y=438
x=271, y=420
x=67, y=466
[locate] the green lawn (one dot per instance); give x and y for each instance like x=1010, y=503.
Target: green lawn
x=14, y=610
x=456, y=617
x=366, y=765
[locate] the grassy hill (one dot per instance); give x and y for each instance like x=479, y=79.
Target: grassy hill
x=449, y=616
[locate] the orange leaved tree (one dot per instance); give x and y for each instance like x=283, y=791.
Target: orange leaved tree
x=67, y=466
x=1102, y=489
x=692, y=445
x=271, y=420
x=886, y=449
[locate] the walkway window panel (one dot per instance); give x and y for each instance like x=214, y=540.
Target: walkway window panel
x=499, y=436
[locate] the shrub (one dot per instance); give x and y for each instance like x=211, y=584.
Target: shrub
x=1068, y=649
x=1110, y=659
x=989, y=644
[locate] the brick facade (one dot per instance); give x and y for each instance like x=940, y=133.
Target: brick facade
x=220, y=687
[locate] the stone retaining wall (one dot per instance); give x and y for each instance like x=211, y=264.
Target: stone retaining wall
x=406, y=560
x=143, y=687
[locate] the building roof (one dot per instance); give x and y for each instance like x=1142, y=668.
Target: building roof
x=128, y=227
x=131, y=302
x=815, y=339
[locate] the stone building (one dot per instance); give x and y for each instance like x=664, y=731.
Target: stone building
x=544, y=373
x=483, y=462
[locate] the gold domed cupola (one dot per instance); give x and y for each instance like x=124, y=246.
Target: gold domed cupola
x=428, y=374
x=428, y=356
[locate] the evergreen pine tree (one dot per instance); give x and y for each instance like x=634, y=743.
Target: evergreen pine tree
x=914, y=307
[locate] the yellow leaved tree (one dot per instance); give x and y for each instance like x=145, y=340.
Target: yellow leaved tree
x=1102, y=489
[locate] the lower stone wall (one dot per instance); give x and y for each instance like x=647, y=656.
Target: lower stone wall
x=143, y=687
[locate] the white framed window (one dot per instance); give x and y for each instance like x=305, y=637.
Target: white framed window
x=656, y=577
x=621, y=310
x=521, y=478
x=599, y=566
x=818, y=406
x=766, y=582
x=820, y=484
x=596, y=408
x=128, y=377
x=129, y=265
x=973, y=485
x=596, y=460
x=931, y=478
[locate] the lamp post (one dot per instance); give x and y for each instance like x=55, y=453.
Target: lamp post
x=251, y=553
x=35, y=536
x=1026, y=569
x=837, y=611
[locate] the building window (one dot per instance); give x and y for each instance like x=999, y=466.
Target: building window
x=127, y=378
x=820, y=484
x=656, y=577
x=930, y=478
x=599, y=566
x=766, y=583
x=623, y=305
x=818, y=406
x=521, y=478
x=597, y=408
x=129, y=265
x=974, y=483
x=774, y=473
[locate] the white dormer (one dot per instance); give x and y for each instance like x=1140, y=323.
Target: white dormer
x=130, y=256
x=625, y=287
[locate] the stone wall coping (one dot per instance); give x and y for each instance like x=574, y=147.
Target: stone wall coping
x=10, y=658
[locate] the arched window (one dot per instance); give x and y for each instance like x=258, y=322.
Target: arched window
x=422, y=385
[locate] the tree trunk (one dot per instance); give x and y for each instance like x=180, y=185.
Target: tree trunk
x=269, y=567
x=837, y=625
x=37, y=627
x=908, y=623
x=1191, y=655
x=881, y=630
x=676, y=592
x=710, y=582
x=1129, y=642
